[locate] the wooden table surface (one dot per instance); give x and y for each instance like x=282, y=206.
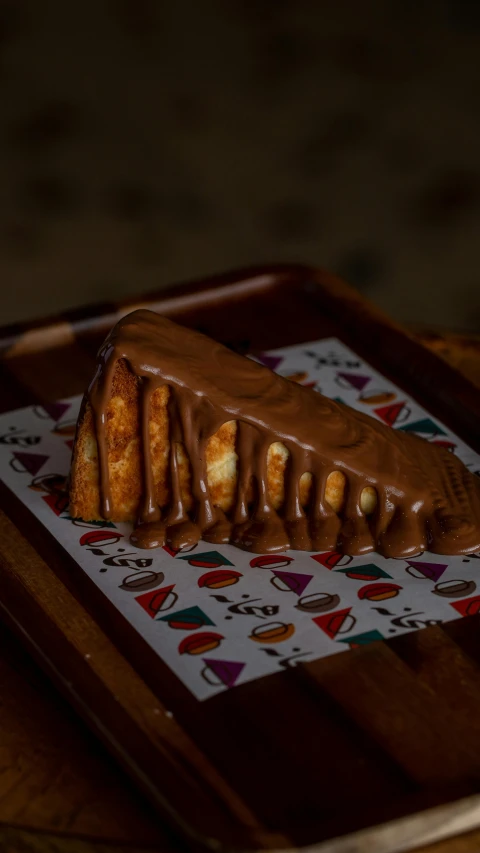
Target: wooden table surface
x=59, y=788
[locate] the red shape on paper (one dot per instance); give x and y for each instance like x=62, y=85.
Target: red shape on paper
x=389, y=414
x=197, y=644
x=58, y=502
x=379, y=591
x=270, y=561
x=97, y=538
x=468, y=607
x=153, y=601
x=330, y=559
x=335, y=623
x=172, y=551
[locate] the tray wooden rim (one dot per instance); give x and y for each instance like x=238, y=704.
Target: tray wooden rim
x=175, y=300
x=458, y=396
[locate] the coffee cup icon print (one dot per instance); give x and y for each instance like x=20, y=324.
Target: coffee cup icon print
x=376, y=397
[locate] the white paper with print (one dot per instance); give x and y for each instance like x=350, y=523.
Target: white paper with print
x=219, y=616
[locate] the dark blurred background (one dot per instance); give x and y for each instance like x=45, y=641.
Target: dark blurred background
x=144, y=142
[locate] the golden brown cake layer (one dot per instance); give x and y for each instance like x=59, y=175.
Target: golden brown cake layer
x=125, y=460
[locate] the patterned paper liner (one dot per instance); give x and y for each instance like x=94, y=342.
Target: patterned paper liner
x=220, y=616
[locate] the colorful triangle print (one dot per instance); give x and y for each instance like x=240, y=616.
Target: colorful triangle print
x=187, y=620
x=207, y=560
x=431, y=571
x=330, y=559
x=425, y=426
x=468, y=607
x=227, y=671
x=335, y=623
x=270, y=361
x=156, y=600
x=368, y=572
x=362, y=639
x=390, y=414
x=56, y=410
x=355, y=380
x=30, y=462
x=172, y=551
x=59, y=503
x=291, y=581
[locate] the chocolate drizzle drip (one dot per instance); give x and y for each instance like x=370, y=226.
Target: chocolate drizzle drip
x=426, y=498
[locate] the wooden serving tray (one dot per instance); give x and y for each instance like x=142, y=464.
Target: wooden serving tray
x=377, y=749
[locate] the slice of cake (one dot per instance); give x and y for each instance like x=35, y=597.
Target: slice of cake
x=189, y=440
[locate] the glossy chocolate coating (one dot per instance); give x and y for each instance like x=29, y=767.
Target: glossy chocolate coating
x=426, y=498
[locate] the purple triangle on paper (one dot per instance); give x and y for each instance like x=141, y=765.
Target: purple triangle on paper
x=226, y=670
x=432, y=571
x=56, y=410
x=271, y=361
x=295, y=581
x=31, y=462
x=355, y=380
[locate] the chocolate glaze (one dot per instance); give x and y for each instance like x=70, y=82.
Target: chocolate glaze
x=426, y=498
